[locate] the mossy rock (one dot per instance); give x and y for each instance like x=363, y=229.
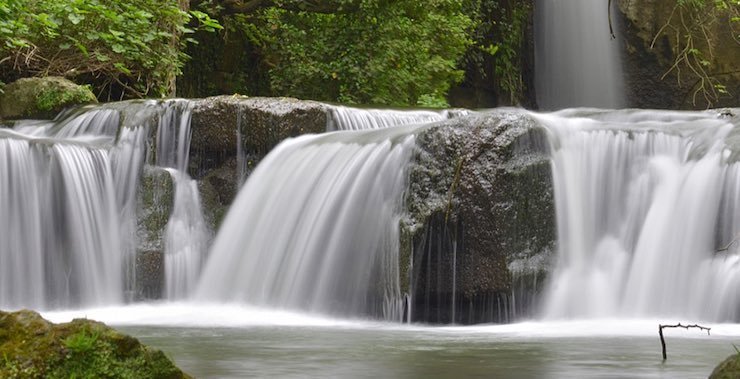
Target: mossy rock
x=41, y=97
x=728, y=369
x=31, y=347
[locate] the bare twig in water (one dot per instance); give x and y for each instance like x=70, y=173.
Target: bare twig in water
x=679, y=325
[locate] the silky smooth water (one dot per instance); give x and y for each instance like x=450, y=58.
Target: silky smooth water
x=577, y=63
x=347, y=118
x=315, y=227
x=645, y=202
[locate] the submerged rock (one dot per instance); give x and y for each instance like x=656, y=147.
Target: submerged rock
x=32, y=347
x=479, y=202
x=41, y=97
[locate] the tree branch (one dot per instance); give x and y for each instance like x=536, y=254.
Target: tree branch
x=679, y=325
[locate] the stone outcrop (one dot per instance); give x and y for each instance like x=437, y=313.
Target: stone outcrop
x=650, y=29
x=480, y=203
x=258, y=124
x=32, y=347
x=41, y=97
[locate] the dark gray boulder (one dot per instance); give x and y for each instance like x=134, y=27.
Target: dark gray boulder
x=480, y=205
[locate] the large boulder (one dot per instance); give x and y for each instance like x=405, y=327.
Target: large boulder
x=654, y=33
x=231, y=135
x=32, y=347
x=41, y=97
x=480, y=206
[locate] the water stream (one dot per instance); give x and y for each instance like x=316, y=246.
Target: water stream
x=577, y=63
x=645, y=202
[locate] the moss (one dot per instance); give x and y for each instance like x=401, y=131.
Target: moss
x=31, y=347
x=157, y=198
x=41, y=97
x=53, y=98
x=728, y=369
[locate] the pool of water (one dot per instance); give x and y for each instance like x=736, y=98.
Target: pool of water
x=237, y=342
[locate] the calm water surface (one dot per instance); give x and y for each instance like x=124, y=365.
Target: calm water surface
x=239, y=343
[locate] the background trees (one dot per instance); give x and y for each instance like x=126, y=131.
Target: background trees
x=384, y=52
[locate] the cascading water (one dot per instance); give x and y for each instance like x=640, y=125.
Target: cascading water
x=346, y=118
x=645, y=201
x=59, y=241
x=68, y=205
x=316, y=225
x=577, y=63
x=186, y=233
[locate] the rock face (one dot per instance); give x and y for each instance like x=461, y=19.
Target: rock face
x=480, y=203
x=223, y=125
x=32, y=347
x=41, y=97
x=653, y=35
x=156, y=197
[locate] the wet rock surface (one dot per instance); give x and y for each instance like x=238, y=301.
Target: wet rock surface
x=224, y=126
x=480, y=197
x=156, y=199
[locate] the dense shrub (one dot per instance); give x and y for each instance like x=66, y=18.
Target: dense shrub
x=127, y=48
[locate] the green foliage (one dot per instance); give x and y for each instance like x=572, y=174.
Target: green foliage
x=499, y=38
x=389, y=53
x=132, y=45
x=93, y=357
x=81, y=342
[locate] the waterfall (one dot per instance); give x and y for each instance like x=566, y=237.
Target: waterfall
x=647, y=207
x=186, y=233
x=347, y=118
x=68, y=205
x=315, y=227
x=577, y=64
x=59, y=241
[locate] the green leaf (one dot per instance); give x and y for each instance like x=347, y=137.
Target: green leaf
x=75, y=18
x=122, y=68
